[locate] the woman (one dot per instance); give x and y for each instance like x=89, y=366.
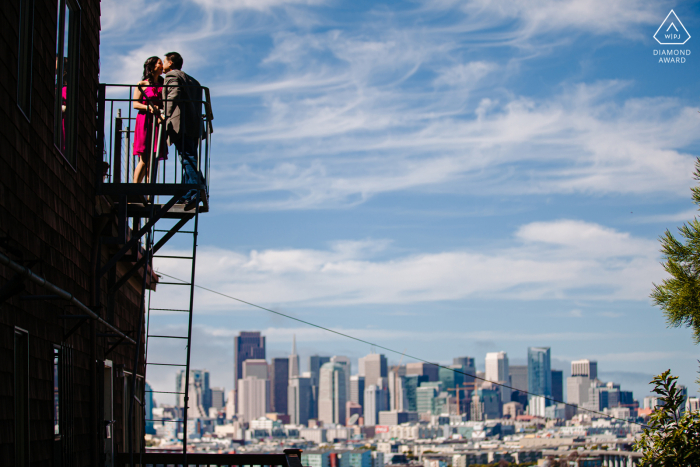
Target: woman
x=149, y=104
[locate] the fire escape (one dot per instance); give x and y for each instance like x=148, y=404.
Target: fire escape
x=148, y=215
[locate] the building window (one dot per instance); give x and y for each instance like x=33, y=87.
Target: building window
x=24, y=56
x=62, y=405
x=67, y=56
x=56, y=393
x=21, y=400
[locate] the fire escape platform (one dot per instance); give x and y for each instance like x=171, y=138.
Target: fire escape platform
x=137, y=194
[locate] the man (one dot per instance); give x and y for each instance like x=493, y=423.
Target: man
x=182, y=96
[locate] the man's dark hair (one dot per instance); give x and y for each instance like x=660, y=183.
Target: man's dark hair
x=175, y=60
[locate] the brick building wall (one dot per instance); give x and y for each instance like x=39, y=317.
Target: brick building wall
x=49, y=212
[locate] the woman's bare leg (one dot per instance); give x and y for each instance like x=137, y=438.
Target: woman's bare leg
x=140, y=171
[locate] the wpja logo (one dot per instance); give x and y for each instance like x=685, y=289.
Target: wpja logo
x=672, y=32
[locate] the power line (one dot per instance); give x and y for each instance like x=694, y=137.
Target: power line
x=401, y=353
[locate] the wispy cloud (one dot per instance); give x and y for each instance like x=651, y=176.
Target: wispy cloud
x=553, y=260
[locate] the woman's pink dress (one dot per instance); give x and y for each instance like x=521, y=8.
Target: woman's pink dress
x=144, y=125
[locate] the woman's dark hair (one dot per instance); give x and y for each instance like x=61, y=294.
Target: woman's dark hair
x=149, y=68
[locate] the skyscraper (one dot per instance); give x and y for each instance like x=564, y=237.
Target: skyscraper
x=199, y=391
x=257, y=368
x=376, y=398
x=279, y=382
x=428, y=370
x=253, y=398
x=583, y=372
x=299, y=400
x=497, y=371
x=468, y=367
x=294, y=359
x=315, y=364
x=345, y=361
x=397, y=392
x=375, y=368
x=539, y=372
x=331, y=394
x=557, y=385
x=217, y=398
x=518, y=377
x=585, y=368
x=247, y=345
x=148, y=408
x=357, y=389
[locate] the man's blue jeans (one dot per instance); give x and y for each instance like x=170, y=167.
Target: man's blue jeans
x=187, y=147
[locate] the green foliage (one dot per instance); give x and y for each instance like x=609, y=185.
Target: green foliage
x=679, y=296
x=670, y=440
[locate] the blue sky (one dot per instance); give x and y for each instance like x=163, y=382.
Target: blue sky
x=441, y=177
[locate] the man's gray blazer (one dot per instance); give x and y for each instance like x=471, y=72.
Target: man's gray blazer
x=182, y=96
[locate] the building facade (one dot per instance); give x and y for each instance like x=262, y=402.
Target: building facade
x=279, y=382
x=62, y=373
x=331, y=395
x=539, y=372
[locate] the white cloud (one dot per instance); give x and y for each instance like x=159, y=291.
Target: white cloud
x=543, y=264
x=352, y=143
x=541, y=17
x=260, y=5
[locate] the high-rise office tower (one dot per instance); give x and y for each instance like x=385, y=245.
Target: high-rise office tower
x=585, y=368
x=357, y=389
x=451, y=377
x=217, y=398
x=375, y=367
x=315, y=364
x=468, y=367
x=583, y=372
x=397, y=392
x=411, y=384
x=299, y=400
x=257, y=368
x=247, y=345
x=557, y=385
x=497, y=371
x=486, y=404
x=279, y=382
x=331, y=394
x=253, y=398
x=423, y=369
x=375, y=401
x=345, y=361
x=539, y=372
x=497, y=366
x=518, y=377
x=294, y=359
x=148, y=408
x=199, y=391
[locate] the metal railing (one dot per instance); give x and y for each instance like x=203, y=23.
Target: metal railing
x=290, y=458
x=119, y=128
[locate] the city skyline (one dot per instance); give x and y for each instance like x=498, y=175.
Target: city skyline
x=415, y=174
x=384, y=395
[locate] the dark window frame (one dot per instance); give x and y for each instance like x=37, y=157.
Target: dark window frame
x=69, y=122
x=21, y=397
x=64, y=449
x=25, y=55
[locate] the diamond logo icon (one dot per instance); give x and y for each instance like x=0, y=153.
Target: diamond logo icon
x=672, y=31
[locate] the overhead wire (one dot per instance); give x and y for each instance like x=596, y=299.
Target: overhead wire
x=404, y=353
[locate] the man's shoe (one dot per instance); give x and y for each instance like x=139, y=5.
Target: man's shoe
x=191, y=204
